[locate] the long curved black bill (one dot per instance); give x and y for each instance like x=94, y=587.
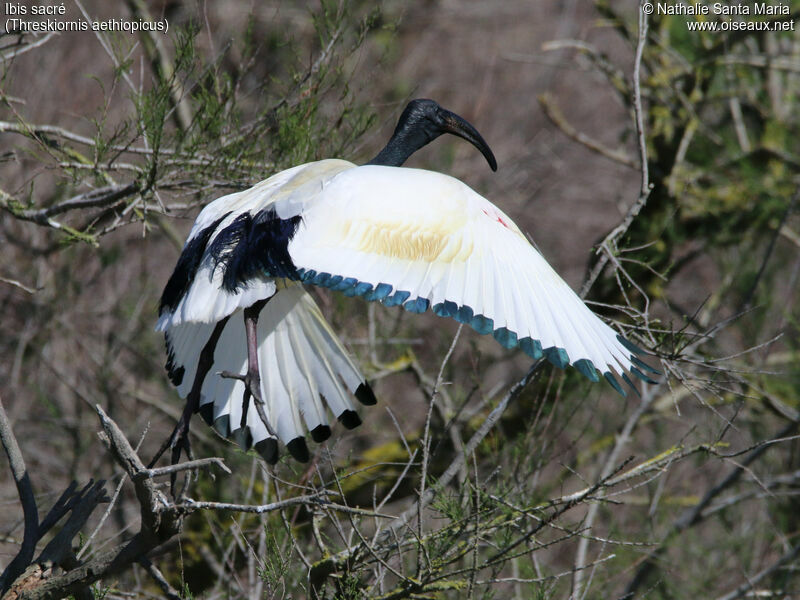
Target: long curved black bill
x=462, y=128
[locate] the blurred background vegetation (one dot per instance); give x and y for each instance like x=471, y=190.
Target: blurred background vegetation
x=111, y=143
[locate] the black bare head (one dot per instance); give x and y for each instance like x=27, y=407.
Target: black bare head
x=422, y=122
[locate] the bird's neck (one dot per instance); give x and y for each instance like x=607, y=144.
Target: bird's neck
x=404, y=143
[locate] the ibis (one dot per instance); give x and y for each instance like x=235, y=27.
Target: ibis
x=249, y=348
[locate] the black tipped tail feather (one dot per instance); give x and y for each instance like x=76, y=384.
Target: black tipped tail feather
x=307, y=377
x=350, y=419
x=365, y=395
x=299, y=449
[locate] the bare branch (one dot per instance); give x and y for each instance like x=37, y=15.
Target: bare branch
x=695, y=514
x=426, y=435
x=748, y=298
x=27, y=499
x=644, y=190
x=614, y=75
x=19, y=285
x=316, y=500
x=160, y=521
x=477, y=438
x=93, y=199
x=557, y=118
x=86, y=501
x=751, y=582
x=35, y=131
x=623, y=438
x=151, y=501
x=22, y=48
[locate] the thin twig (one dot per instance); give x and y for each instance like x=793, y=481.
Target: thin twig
x=23, y=48
x=543, y=579
x=37, y=131
x=751, y=582
x=614, y=75
x=644, y=191
x=19, y=285
x=318, y=499
x=96, y=198
x=748, y=298
x=622, y=439
x=88, y=543
x=426, y=435
x=648, y=395
x=695, y=514
x=169, y=591
x=457, y=464
x=184, y=466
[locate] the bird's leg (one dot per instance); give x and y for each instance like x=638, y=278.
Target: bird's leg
x=252, y=381
x=253, y=378
x=179, y=440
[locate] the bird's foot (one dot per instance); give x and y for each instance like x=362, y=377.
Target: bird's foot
x=252, y=389
x=178, y=441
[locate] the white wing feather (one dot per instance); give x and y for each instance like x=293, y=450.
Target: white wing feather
x=432, y=237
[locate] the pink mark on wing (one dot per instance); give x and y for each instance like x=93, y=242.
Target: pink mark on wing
x=497, y=218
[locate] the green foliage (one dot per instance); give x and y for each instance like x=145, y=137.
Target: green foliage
x=186, y=592
x=275, y=564
x=721, y=175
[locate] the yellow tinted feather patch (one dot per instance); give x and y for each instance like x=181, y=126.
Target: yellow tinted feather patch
x=404, y=243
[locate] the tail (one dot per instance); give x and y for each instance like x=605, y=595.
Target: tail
x=301, y=363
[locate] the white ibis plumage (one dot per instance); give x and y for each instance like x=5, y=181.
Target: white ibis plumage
x=249, y=348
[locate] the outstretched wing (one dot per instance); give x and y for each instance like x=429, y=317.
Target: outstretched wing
x=422, y=239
